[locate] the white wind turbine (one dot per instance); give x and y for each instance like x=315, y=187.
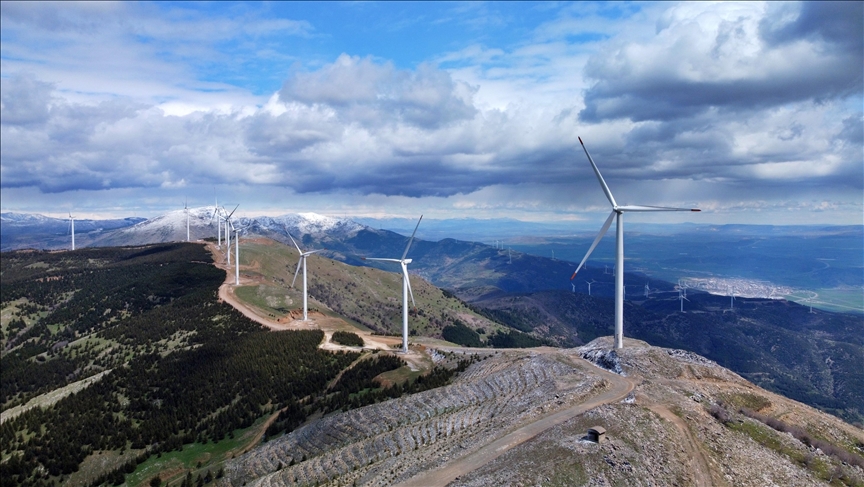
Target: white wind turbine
x=302, y=262
x=217, y=217
x=72, y=226
x=406, y=286
x=618, y=214
x=682, y=297
x=228, y=224
x=236, y=253
x=592, y=281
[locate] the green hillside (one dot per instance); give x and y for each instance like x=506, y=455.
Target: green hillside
x=368, y=297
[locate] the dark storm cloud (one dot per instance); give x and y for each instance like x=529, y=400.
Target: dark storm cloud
x=793, y=53
x=840, y=24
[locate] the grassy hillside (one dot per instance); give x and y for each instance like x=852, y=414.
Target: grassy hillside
x=368, y=297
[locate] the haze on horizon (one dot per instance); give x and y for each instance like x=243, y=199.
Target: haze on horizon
x=751, y=111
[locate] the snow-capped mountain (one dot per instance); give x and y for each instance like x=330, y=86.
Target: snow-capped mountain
x=300, y=224
x=171, y=227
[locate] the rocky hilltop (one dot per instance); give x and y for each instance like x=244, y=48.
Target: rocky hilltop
x=520, y=417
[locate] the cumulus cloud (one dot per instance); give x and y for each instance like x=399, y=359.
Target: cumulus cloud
x=361, y=90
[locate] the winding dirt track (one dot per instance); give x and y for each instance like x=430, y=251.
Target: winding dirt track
x=698, y=463
x=620, y=387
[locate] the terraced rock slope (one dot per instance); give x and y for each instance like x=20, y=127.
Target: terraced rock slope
x=520, y=417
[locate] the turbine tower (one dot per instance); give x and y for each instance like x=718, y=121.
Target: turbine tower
x=592, y=281
x=302, y=262
x=236, y=254
x=72, y=225
x=218, y=217
x=618, y=214
x=682, y=298
x=406, y=286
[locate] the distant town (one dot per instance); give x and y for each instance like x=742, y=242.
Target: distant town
x=738, y=287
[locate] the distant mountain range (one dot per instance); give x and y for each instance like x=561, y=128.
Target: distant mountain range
x=24, y=230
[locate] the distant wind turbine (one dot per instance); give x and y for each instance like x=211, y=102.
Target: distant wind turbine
x=618, y=214
x=217, y=217
x=682, y=298
x=302, y=262
x=228, y=234
x=72, y=226
x=592, y=281
x=236, y=254
x=406, y=286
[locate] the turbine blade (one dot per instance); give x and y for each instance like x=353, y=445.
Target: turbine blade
x=295, y=272
x=314, y=251
x=411, y=239
x=295, y=243
x=654, y=208
x=596, y=241
x=232, y=212
x=382, y=259
x=599, y=177
x=410, y=293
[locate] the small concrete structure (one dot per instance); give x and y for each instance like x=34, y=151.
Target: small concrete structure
x=597, y=434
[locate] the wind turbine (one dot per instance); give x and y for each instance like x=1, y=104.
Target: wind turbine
x=302, y=262
x=406, y=286
x=682, y=298
x=218, y=223
x=618, y=215
x=228, y=234
x=72, y=225
x=574, y=288
x=589, y=285
x=647, y=289
x=236, y=253
x=510, y=256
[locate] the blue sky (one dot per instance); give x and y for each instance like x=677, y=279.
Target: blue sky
x=752, y=111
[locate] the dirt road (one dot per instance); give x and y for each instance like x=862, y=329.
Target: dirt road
x=620, y=387
x=317, y=321
x=698, y=463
